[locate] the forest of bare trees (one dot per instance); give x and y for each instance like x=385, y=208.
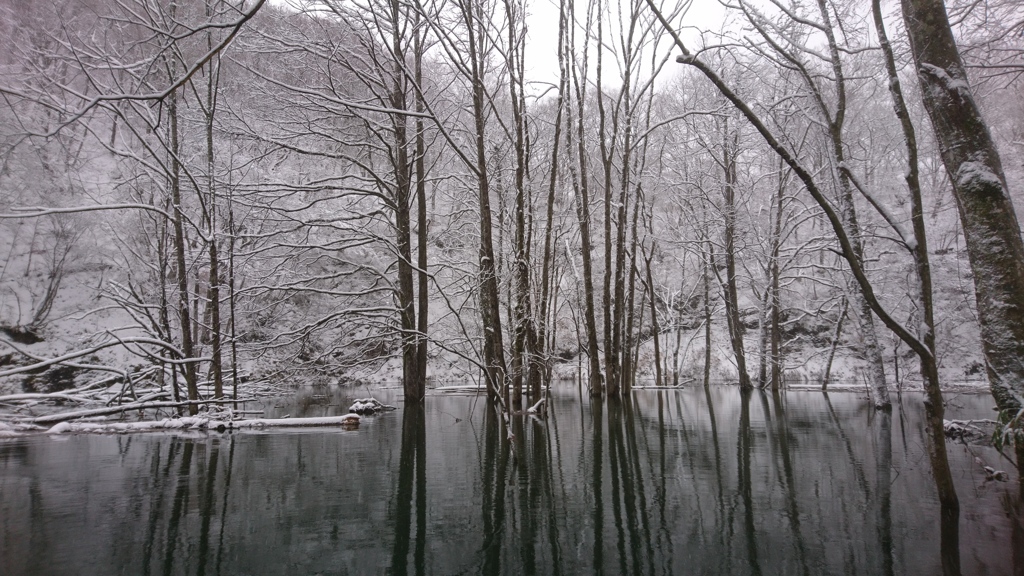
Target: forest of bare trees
x=205, y=195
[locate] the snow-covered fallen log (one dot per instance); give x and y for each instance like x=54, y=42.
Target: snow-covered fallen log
x=205, y=423
x=540, y=408
x=367, y=406
x=35, y=396
x=109, y=410
x=969, y=430
x=11, y=429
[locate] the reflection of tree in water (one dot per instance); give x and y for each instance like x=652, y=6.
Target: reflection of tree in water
x=628, y=490
x=883, y=449
x=1015, y=510
x=411, y=471
x=663, y=483
x=494, y=466
x=780, y=441
x=745, y=480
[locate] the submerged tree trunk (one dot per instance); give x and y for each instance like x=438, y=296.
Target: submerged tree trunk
x=524, y=346
x=775, y=300
x=879, y=391
x=490, y=303
x=401, y=169
x=706, y=285
x=419, y=391
x=732, y=311
x=581, y=185
x=990, y=225
x=934, y=408
x=655, y=326
x=545, y=314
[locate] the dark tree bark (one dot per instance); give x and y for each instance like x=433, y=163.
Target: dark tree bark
x=990, y=226
x=775, y=298
x=934, y=408
x=490, y=303
x=401, y=164
x=581, y=185
x=181, y=270
x=419, y=390
x=732, y=312
x=655, y=326
x=706, y=265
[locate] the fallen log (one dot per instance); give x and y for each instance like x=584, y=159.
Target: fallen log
x=45, y=396
x=348, y=421
x=92, y=412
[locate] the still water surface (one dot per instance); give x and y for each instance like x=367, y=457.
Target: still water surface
x=673, y=482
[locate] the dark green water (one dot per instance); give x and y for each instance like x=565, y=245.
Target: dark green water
x=670, y=483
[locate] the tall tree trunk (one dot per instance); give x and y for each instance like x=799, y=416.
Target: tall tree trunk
x=626, y=318
x=412, y=380
x=524, y=356
x=548, y=259
x=419, y=391
x=214, y=280
x=732, y=311
x=181, y=270
x=775, y=304
x=165, y=315
x=861, y=309
x=490, y=303
x=658, y=378
x=581, y=185
x=232, y=296
x=706, y=265
x=606, y=144
x=990, y=225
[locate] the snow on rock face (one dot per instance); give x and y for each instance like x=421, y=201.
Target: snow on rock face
x=369, y=406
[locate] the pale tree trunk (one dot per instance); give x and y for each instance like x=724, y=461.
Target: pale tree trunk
x=879, y=391
x=548, y=260
x=611, y=320
x=827, y=376
x=990, y=225
x=524, y=346
x=213, y=76
x=627, y=374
